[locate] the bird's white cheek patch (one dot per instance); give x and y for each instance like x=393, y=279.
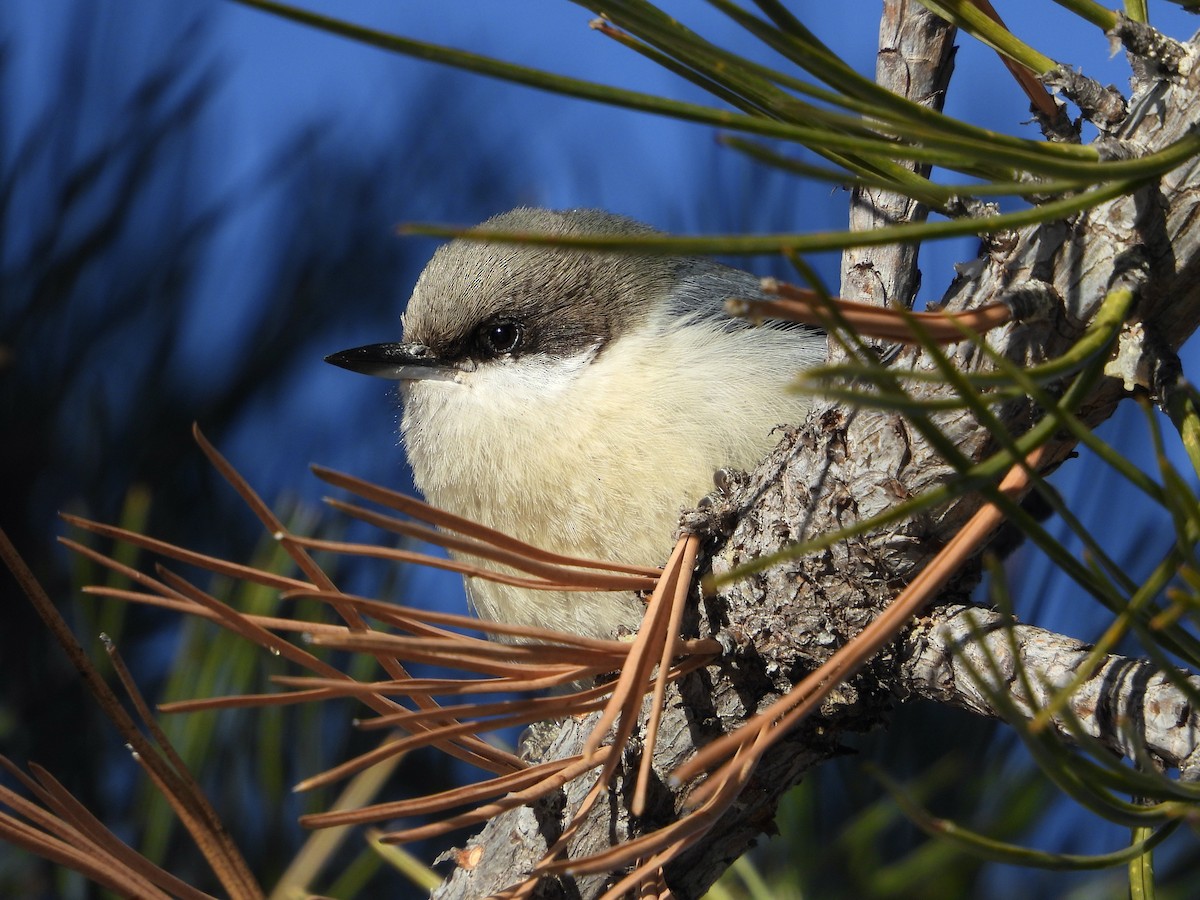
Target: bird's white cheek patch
x=527, y=380
x=502, y=394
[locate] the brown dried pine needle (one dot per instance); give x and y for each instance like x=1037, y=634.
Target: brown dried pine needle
x=866, y=320
x=535, y=660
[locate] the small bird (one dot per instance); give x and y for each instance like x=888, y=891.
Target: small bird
x=579, y=400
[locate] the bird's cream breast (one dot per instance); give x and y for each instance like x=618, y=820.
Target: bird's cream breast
x=596, y=454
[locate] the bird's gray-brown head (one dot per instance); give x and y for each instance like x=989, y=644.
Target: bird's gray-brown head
x=478, y=301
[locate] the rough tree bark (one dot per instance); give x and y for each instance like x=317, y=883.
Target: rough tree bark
x=842, y=466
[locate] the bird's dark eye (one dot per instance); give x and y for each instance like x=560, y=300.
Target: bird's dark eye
x=500, y=337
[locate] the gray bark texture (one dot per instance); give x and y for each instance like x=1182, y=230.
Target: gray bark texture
x=844, y=465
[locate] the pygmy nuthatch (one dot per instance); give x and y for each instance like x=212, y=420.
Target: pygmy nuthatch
x=578, y=400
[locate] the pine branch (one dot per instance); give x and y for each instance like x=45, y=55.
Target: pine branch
x=915, y=60
x=976, y=658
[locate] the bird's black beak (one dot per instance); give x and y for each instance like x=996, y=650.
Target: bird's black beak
x=398, y=362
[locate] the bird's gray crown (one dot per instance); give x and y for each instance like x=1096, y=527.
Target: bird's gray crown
x=477, y=299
